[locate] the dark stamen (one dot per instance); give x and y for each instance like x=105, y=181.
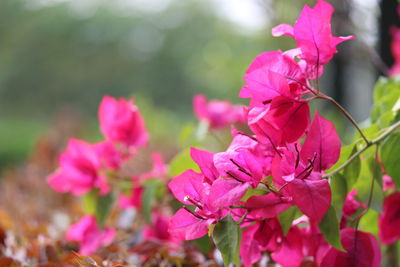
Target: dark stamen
x=193, y=213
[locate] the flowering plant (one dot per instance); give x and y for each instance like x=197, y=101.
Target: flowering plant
x=285, y=189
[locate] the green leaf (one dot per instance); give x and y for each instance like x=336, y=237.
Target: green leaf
x=286, y=218
x=352, y=171
x=182, y=162
x=89, y=202
x=103, y=208
x=226, y=236
x=203, y=244
x=369, y=222
x=339, y=192
x=390, y=157
x=253, y=192
x=363, y=187
x=344, y=155
x=329, y=227
x=149, y=195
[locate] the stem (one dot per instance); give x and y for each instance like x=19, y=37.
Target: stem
x=348, y=116
x=371, y=190
x=377, y=140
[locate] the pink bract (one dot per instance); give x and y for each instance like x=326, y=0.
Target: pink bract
x=121, y=122
x=217, y=113
x=389, y=220
x=88, y=234
x=313, y=34
x=79, y=170
x=363, y=253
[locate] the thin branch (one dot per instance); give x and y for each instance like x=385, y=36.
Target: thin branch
x=377, y=140
x=348, y=116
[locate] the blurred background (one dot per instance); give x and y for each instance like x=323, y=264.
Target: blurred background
x=59, y=57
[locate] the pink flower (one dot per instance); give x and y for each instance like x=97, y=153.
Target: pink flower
x=363, y=253
x=301, y=169
x=159, y=169
x=389, y=220
x=313, y=34
x=259, y=237
x=121, y=122
x=274, y=123
x=190, y=188
x=109, y=155
x=87, y=233
x=217, y=113
x=133, y=200
x=270, y=75
x=395, y=47
x=79, y=170
x=158, y=230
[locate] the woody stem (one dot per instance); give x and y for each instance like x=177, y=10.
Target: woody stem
x=375, y=141
x=348, y=116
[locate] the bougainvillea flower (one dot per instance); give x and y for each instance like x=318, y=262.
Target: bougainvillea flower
x=282, y=121
x=217, y=113
x=109, y=155
x=133, y=200
x=389, y=220
x=388, y=183
x=159, y=169
x=158, y=230
x=121, y=122
x=365, y=252
x=205, y=161
x=313, y=34
x=272, y=74
x=306, y=244
x=90, y=237
x=395, y=48
x=302, y=169
x=79, y=170
x=191, y=189
x=323, y=141
x=186, y=225
x=259, y=237
x=350, y=207
x=267, y=206
x=290, y=253
x=245, y=160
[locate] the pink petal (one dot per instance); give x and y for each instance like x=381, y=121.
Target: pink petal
x=226, y=192
x=266, y=206
x=365, y=252
x=185, y=226
x=283, y=29
x=313, y=197
x=188, y=184
x=206, y=163
x=389, y=220
x=323, y=141
x=250, y=251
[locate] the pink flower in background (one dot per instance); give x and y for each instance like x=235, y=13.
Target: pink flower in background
x=389, y=220
x=133, y=200
x=121, y=122
x=158, y=230
x=159, y=169
x=109, y=155
x=395, y=47
x=79, y=170
x=87, y=233
x=217, y=113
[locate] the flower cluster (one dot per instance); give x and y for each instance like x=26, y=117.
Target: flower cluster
x=284, y=160
x=86, y=168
